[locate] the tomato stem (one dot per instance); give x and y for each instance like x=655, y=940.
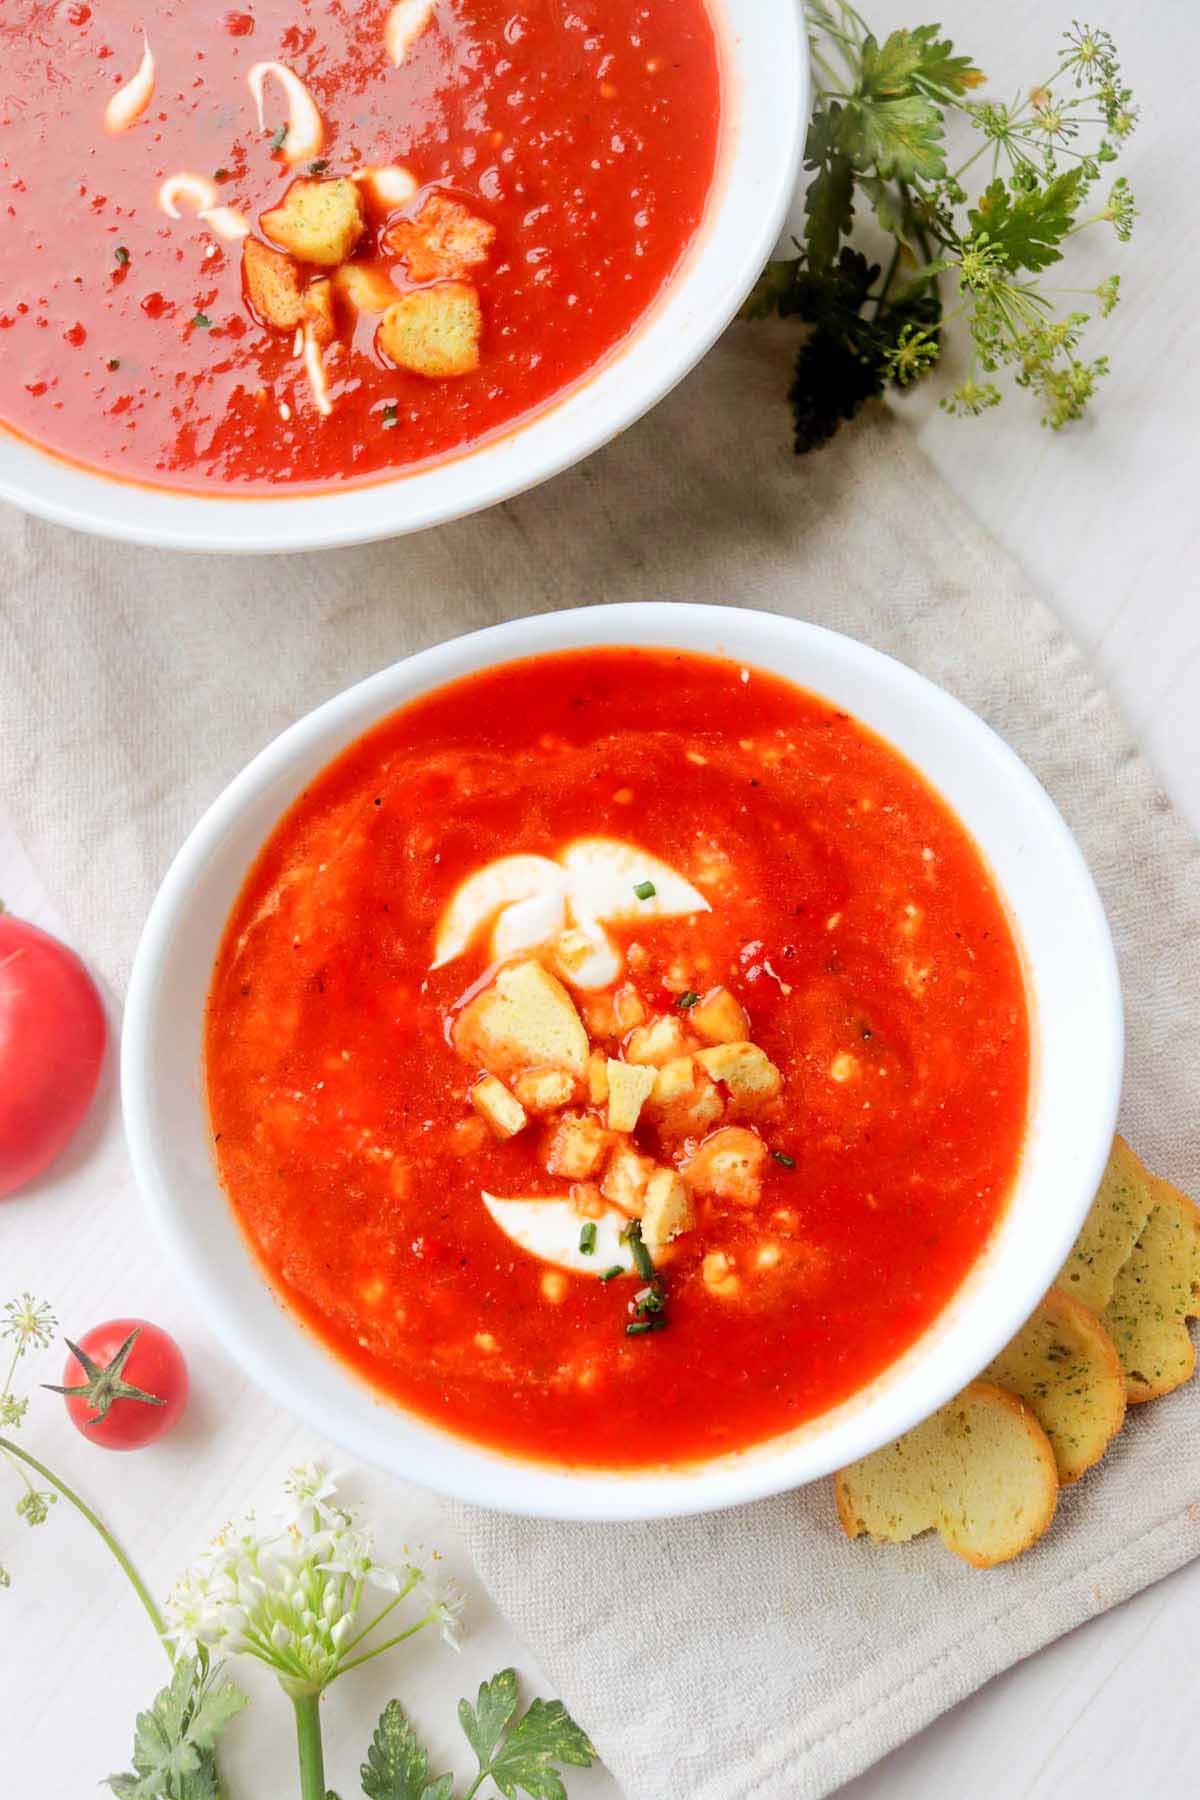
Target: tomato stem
x=308, y=1743
x=98, y=1525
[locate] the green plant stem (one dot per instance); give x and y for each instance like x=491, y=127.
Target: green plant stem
x=309, y=1747
x=106, y=1536
x=369, y=1655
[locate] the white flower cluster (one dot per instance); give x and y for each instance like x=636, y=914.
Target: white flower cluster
x=291, y=1596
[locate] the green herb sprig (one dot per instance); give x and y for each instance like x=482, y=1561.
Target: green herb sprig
x=876, y=154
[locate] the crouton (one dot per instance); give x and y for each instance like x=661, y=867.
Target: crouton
x=629, y=1087
x=1062, y=1363
x=674, y=1079
x=661, y=1040
x=545, y=1090
x=693, y=1111
x=1154, y=1294
x=626, y=1179
x=747, y=1071
x=719, y=1019
x=668, y=1208
x=719, y=1277
x=445, y=238
x=318, y=311
x=980, y=1472
x=612, y=1015
x=525, y=1020
x=730, y=1165
x=318, y=221
x=502, y=1111
x=597, y=1078
x=434, y=332
x=577, y=1146
x=273, y=286
x=1111, y=1229
x=366, y=289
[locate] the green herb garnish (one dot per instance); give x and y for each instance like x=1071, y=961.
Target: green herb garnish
x=688, y=999
x=645, y=890
x=319, y=167
x=639, y=1327
x=632, y=1235
x=649, y=1300
x=877, y=152
x=587, y=1238
x=391, y=416
x=121, y=254
x=113, y=363
x=611, y=1274
x=277, y=137
x=783, y=1159
x=202, y=322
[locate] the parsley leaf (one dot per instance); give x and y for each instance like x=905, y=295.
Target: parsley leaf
x=900, y=139
x=175, y=1738
x=524, y=1761
x=397, y=1764
x=829, y=202
x=485, y=1722
x=1027, y=228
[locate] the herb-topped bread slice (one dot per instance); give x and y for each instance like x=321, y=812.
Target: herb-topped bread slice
x=1155, y=1294
x=1063, y=1364
x=981, y=1472
x=1111, y=1229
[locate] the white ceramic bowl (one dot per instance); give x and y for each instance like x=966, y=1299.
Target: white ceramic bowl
x=765, y=85
x=1075, y=1007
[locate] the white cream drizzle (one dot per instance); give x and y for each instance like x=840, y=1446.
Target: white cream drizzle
x=131, y=100
x=549, y=1230
x=305, y=134
x=197, y=194
x=528, y=900
x=314, y=368
x=391, y=185
x=405, y=23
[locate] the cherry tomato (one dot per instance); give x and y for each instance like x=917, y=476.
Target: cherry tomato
x=126, y=1384
x=52, y=1038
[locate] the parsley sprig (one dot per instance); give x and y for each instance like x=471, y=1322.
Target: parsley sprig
x=877, y=156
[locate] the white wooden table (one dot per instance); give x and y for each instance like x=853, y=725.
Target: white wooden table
x=1105, y=522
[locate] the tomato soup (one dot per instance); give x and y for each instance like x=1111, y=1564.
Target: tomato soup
x=618, y=1057
x=288, y=243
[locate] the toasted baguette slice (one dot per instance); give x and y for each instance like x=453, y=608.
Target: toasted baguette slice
x=980, y=1472
x=318, y=221
x=1155, y=1294
x=1065, y=1368
x=1119, y=1212
x=434, y=331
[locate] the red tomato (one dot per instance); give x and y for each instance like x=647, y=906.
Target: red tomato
x=126, y=1384
x=52, y=1038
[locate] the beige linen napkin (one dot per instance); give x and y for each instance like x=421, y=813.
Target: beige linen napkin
x=756, y=1652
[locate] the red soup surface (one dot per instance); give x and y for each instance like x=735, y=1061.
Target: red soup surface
x=696, y=979
x=545, y=167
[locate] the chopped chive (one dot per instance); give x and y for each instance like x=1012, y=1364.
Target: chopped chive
x=121, y=254
x=632, y=1235
x=587, y=1238
x=649, y=1300
x=645, y=890
x=688, y=999
x=277, y=137
x=639, y=1327
x=391, y=416
x=610, y=1274
x=783, y=1159
x=202, y=322
x=319, y=167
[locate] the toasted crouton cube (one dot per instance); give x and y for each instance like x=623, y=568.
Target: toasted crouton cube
x=544, y=1090
x=674, y=1079
x=273, y=285
x=577, y=1147
x=746, y=1070
x=660, y=1041
x=629, y=1087
x=445, y=238
x=597, y=1078
x=730, y=1165
x=612, y=1015
x=668, y=1204
x=502, y=1110
x=525, y=1020
x=626, y=1179
x=434, y=332
x=318, y=310
x=318, y=221
x=366, y=289
x=719, y=1019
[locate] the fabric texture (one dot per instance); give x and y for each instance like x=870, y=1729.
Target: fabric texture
x=753, y=1652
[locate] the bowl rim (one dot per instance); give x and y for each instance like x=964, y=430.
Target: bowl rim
x=457, y=1466
x=664, y=346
